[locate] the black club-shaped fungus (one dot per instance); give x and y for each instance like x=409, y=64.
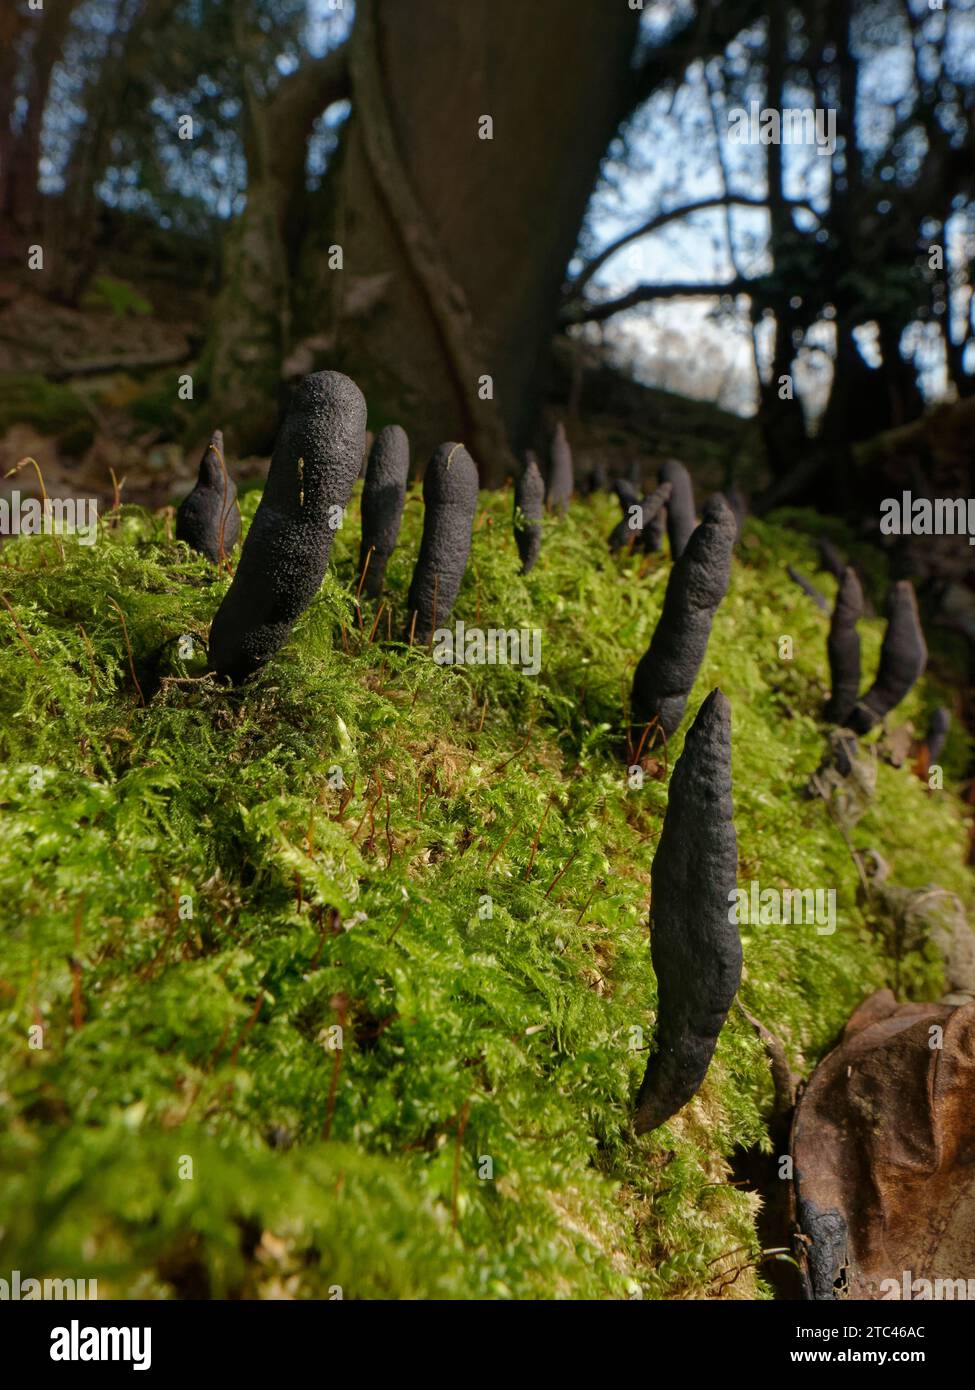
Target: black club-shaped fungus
x=383, y=495
x=694, y=946
x=316, y=460
x=937, y=735
x=560, y=478
x=529, y=508
x=450, y=501
x=698, y=582
x=208, y=519
x=681, y=516
x=843, y=647
x=903, y=656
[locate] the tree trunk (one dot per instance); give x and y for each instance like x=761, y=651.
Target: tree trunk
x=19, y=192
x=455, y=247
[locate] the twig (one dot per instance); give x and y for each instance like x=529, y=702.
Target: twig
x=128, y=647
x=573, y=855
x=20, y=631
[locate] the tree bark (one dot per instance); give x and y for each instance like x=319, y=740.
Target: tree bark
x=251, y=327
x=19, y=191
x=455, y=247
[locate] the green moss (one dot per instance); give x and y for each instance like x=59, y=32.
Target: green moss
x=116, y=296
x=55, y=410
x=471, y=1137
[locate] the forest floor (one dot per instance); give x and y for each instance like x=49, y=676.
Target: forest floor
x=341, y=981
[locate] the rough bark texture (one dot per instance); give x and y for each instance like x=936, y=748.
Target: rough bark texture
x=530, y=502
x=383, y=496
x=450, y=502
x=681, y=516
x=843, y=647
x=251, y=331
x=698, y=582
x=448, y=277
x=696, y=950
x=208, y=520
x=315, y=463
x=560, y=473
x=903, y=657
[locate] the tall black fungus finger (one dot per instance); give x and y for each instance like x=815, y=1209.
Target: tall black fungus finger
x=560, y=479
x=903, y=656
x=937, y=734
x=843, y=647
x=694, y=945
x=529, y=508
x=807, y=588
x=383, y=495
x=315, y=463
x=681, y=517
x=208, y=519
x=450, y=501
x=698, y=582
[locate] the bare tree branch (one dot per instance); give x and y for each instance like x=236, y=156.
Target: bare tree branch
x=643, y=294
x=662, y=219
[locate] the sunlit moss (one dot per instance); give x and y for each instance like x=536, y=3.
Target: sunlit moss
x=471, y=910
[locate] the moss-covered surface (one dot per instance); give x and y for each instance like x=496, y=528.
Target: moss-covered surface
x=55, y=410
x=471, y=911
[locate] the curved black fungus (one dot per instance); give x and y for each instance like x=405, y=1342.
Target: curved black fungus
x=695, y=949
x=903, y=656
x=639, y=529
x=315, y=463
x=681, y=516
x=654, y=516
x=937, y=735
x=450, y=499
x=626, y=492
x=208, y=519
x=655, y=530
x=830, y=558
x=698, y=582
x=843, y=646
x=383, y=495
x=560, y=480
x=530, y=502
x=807, y=588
